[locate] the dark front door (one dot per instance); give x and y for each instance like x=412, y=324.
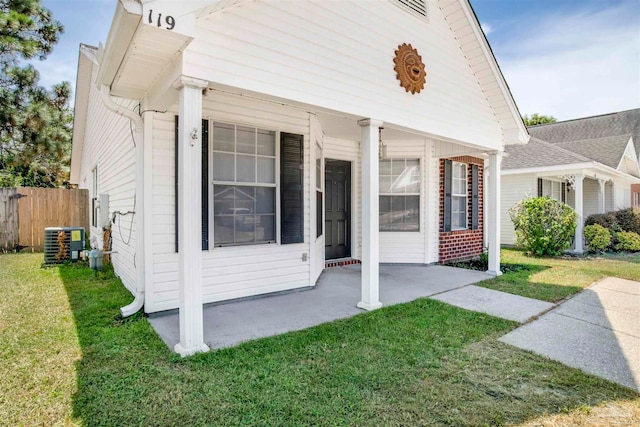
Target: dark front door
x=337, y=185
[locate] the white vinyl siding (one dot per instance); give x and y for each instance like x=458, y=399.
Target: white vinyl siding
x=274, y=49
x=108, y=167
x=227, y=272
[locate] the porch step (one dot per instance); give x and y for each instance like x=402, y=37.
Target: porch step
x=340, y=262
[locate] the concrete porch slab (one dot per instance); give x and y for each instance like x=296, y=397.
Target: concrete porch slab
x=596, y=331
x=496, y=303
x=334, y=297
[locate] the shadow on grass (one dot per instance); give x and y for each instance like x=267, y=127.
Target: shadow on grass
x=421, y=363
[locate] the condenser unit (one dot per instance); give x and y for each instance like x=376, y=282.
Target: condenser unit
x=63, y=244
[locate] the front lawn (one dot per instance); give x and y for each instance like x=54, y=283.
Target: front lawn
x=553, y=279
x=68, y=359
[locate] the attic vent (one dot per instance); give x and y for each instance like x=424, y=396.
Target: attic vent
x=415, y=7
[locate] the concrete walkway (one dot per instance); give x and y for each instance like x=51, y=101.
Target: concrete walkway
x=496, y=303
x=334, y=297
x=597, y=331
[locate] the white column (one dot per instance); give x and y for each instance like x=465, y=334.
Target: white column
x=370, y=211
x=492, y=220
x=579, y=245
x=189, y=211
x=601, y=197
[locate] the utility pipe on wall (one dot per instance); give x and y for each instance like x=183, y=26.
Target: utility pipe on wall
x=138, y=123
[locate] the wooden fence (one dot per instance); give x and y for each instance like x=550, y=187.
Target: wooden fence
x=25, y=212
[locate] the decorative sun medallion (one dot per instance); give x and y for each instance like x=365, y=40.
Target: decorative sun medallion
x=409, y=68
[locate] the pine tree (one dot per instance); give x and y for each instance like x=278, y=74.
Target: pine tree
x=35, y=123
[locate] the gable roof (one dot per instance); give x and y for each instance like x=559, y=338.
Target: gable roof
x=607, y=151
x=538, y=153
x=589, y=128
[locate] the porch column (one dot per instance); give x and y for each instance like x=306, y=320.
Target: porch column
x=601, y=197
x=492, y=220
x=189, y=211
x=579, y=246
x=370, y=210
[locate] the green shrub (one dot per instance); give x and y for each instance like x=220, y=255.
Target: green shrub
x=544, y=226
x=629, y=219
x=597, y=237
x=627, y=241
x=622, y=220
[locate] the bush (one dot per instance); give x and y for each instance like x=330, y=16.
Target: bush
x=544, y=226
x=628, y=241
x=597, y=237
x=629, y=219
x=622, y=220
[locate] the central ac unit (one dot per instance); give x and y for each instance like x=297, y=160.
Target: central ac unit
x=63, y=244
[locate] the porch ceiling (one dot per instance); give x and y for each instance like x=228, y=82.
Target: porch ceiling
x=151, y=52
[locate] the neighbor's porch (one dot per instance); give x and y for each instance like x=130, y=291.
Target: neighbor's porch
x=230, y=323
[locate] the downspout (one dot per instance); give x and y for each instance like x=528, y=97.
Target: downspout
x=138, y=123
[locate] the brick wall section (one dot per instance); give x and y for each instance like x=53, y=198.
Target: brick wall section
x=461, y=245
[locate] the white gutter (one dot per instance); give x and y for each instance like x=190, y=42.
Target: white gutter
x=138, y=302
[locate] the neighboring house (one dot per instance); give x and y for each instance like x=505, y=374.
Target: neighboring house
x=255, y=141
x=591, y=164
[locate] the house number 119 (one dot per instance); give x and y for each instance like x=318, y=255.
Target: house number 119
x=168, y=20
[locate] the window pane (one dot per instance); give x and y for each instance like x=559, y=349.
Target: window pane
x=385, y=204
x=385, y=184
x=245, y=228
x=223, y=137
x=459, y=170
x=223, y=230
x=246, y=140
x=246, y=168
x=267, y=170
x=265, y=228
x=265, y=200
x=244, y=200
x=266, y=142
x=397, y=167
x=319, y=174
x=223, y=199
x=385, y=167
x=223, y=167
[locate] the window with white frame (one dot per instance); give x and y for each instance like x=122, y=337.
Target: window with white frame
x=552, y=189
x=94, y=197
x=458, y=196
x=636, y=199
x=244, y=185
x=399, y=195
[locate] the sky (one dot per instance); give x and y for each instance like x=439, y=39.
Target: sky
x=565, y=58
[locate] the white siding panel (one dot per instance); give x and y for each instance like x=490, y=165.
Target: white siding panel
x=109, y=146
x=315, y=55
x=590, y=190
x=514, y=189
x=229, y=272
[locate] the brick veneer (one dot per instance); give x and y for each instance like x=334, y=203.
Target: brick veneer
x=460, y=245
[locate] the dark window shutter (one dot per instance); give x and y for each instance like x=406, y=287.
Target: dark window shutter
x=475, y=223
x=175, y=174
x=205, y=185
x=564, y=192
x=291, y=188
x=446, y=224
x=539, y=187
x=319, y=214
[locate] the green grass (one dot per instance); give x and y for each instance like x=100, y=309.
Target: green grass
x=553, y=279
x=68, y=359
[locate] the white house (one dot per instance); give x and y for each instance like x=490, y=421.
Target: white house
x=243, y=145
x=590, y=163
